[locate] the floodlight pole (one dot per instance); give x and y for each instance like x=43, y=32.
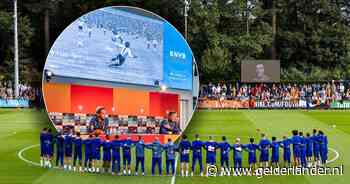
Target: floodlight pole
x=16, y=48
x=187, y=8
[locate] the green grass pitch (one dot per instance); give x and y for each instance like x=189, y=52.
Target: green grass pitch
x=20, y=129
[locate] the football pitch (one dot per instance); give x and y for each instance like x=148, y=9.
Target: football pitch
x=19, y=135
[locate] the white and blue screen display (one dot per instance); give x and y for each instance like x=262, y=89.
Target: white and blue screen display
x=117, y=45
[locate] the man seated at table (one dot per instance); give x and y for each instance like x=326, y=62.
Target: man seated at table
x=171, y=125
x=99, y=123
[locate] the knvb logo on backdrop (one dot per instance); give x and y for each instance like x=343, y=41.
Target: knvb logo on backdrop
x=177, y=55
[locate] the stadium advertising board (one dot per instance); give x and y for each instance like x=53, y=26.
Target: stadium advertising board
x=117, y=45
x=340, y=105
x=14, y=103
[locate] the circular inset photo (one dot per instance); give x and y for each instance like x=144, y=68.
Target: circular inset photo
x=121, y=71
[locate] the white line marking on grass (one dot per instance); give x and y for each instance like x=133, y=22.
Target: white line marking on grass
x=8, y=135
x=20, y=155
x=336, y=156
x=174, y=176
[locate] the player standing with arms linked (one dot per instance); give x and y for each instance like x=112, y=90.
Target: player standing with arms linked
x=157, y=149
x=170, y=150
x=197, y=155
x=210, y=147
x=184, y=149
x=140, y=156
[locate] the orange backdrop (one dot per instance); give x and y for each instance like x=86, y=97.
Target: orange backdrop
x=57, y=97
x=128, y=101
x=68, y=98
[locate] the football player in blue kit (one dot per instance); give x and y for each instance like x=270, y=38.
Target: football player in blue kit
x=296, y=147
x=275, y=145
x=43, y=136
x=264, y=146
x=46, y=140
x=49, y=148
x=237, y=154
x=315, y=147
x=309, y=143
x=59, y=150
x=126, y=147
x=96, y=153
x=225, y=148
x=184, y=149
x=157, y=150
x=140, y=156
x=302, y=147
x=197, y=146
x=107, y=154
x=323, y=147
x=116, y=146
x=285, y=144
x=210, y=147
x=78, y=152
x=251, y=148
x=88, y=153
x=68, y=150
x=170, y=150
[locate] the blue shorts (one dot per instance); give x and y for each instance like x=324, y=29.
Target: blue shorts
x=252, y=160
x=264, y=157
x=68, y=152
x=96, y=156
x=185, y=158
x=126, y=160
x=211, y=160
x=309, y=153
x=224, y=161
x=115, y=157
x=286, y=157
x=106, y=157
x=274, y=159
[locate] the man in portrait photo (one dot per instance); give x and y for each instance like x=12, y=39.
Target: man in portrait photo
x=260, y=75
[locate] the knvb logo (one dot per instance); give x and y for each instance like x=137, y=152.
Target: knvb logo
x=178, y=55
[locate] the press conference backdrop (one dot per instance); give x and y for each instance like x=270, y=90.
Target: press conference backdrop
x=154, y=52
x=260, y=71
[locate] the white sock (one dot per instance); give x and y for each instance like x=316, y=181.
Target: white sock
x=186, y=173
x=182, y=172
x=41, y=162
x=97, y=169
x=129, y=172
x=64, y=167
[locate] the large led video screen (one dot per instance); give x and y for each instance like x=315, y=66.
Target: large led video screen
x=256, y=71
x=119, y=45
